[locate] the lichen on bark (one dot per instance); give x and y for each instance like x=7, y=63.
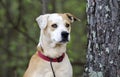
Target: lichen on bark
x=103, y=52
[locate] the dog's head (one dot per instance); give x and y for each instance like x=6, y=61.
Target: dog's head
x=56, y=27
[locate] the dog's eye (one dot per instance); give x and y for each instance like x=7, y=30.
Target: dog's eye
x=67, y=25
x=54, y=25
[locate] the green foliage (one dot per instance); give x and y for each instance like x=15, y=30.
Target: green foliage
x=19, y=34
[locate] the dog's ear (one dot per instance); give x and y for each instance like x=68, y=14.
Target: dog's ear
x=72, y=17
x=42, y=21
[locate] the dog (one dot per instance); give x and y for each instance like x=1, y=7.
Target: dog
x=51, y=59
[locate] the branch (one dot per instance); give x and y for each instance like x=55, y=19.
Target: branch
x=15, y=25
x=25, y=34
x=2, y=3
x=20, y=8
x=8, y=13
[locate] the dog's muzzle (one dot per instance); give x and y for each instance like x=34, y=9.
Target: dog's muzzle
x=64, y=36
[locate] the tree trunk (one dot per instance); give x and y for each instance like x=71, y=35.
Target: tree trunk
x=53, y=3
x=103, y=53
x=44, y=6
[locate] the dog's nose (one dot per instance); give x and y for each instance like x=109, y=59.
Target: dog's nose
x=64, y=35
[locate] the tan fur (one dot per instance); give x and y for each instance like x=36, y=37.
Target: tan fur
x=41, y=68
x=64, y=16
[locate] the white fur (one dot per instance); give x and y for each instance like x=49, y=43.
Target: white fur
x=42, y=20
x=64, y=68
x=49, y=42
x=55, y=18
x=56, y=35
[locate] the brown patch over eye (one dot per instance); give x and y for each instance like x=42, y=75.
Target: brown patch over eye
x=54, y=25
x=67, y=25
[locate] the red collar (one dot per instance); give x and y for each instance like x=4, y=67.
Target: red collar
x=59, y=59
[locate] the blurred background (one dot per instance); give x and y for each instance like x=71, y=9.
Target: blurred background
x=19, y=33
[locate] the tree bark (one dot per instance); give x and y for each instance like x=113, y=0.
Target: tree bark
x=103, y=52
x=44, y=6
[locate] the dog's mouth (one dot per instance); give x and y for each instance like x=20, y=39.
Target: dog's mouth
x=61, y=42
x=64, y=40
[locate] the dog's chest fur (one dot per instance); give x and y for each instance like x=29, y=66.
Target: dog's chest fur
x=41, y=68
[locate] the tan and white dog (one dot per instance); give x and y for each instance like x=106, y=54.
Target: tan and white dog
x=55, y=33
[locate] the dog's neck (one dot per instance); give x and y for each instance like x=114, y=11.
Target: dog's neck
x=50, y=49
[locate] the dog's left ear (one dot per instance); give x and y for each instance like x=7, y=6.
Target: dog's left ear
x=42, y=21
x=72, y=17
